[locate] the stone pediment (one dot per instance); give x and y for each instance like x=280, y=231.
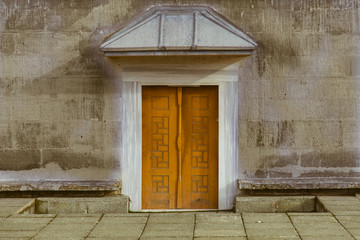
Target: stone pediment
x=178, y=31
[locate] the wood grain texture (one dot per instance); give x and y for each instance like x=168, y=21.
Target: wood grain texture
x=200, y=148
x=159, y=148
x=180, y=147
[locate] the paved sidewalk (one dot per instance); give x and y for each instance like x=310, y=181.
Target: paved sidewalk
x=341, y=223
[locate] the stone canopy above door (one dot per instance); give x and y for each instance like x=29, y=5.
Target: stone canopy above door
x=178, y=31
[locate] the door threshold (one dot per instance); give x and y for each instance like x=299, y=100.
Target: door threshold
x=178, y=210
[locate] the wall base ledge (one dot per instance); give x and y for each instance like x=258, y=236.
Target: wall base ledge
x=303, y=183
x=61, y=186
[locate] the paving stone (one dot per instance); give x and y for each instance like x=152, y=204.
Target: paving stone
x=309, y=214
x=112, y=238
x=219, y=218
x=351, y=218
x=75, y=220
x=313, y=219
x=166, y=238
x=22, y=220
x=130, y=230
x=170, y=226
x=217, y=213
x=66, y=230
x=327, y=238
x=349, y=221
x=7, y=211
x=350, y=225
x=286, y=232
x=354, y=231
x=62, y=234
x=225, y=226
x=219, y=232
x=22, y=226
x=269, y=225
x=302, y=227
x=20, y=238
x=314, y=230
x=346, y=213
x=124, y=226
x=77, y=215
x=119, y=220
x=265, y=217
x=126, y=214
x=220, y=238
x=17, y=234
x=171, y=218
x=273, y=238
x=58, y=238
x=168, y=233
x=33, y=216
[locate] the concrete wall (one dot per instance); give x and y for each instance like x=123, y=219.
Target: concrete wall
x=60, y=104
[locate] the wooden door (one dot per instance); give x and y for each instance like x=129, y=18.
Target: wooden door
x=180, y=147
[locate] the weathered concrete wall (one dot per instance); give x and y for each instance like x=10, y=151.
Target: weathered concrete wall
x=60, y=104
x=299, y=104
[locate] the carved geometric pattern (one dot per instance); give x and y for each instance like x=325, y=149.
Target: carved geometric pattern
x=200, y=142
x=160, y=103
x=160, y=183
x=160, y=142
x=199, y=184
x=200, y=102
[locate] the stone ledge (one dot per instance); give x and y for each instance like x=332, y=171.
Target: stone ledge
x=293, y=184
x=61, y=186
x=275, y=204
x=109, y=204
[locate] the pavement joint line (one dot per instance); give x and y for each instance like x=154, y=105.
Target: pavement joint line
x=354, y=237
x=243, y=223
x=102, y=215
x=194, y=226
x=292, y=223
x=142, y=232
x=44, y=226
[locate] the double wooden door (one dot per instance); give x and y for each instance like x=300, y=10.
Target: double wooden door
x=180, y=147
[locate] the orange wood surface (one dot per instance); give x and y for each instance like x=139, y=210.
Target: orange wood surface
x=200, y=148
x=159, y=150
x=180, y=148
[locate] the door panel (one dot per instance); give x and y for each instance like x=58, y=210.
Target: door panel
x=159, y=122
x=200, y=148
x=180, y=148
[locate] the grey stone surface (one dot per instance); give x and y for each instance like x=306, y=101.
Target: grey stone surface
x=275, y=204
x=17, y=234
x=171, y=218
x=184, y=226
x=341, y=205
x=113, y=204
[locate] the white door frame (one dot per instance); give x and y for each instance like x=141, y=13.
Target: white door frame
x=136, y=76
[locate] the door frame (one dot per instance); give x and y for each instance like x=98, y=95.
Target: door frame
x=225, y=77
